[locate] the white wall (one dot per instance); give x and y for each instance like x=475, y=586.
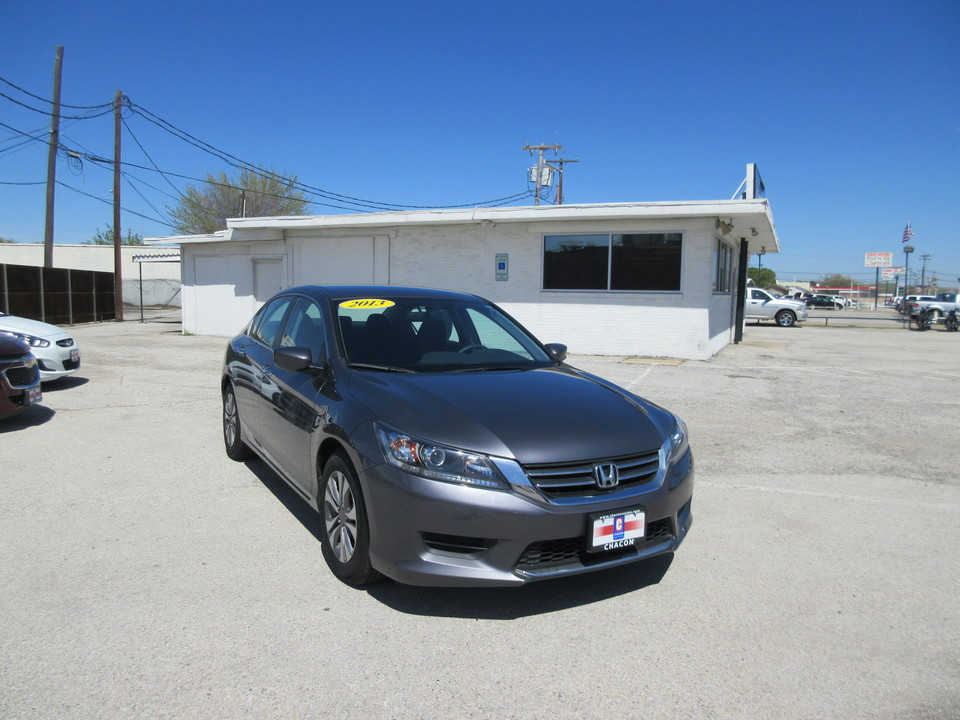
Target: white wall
x=657, y=324
x=694, y=323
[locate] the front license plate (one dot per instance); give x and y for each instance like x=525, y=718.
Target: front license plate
x=74, y=356
x=615, y=530
x=32, y=396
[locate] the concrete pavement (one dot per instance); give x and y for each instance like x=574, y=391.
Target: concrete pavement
x=144, y=575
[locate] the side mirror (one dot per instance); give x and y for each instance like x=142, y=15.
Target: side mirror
x=299, y=359
x=558, y=350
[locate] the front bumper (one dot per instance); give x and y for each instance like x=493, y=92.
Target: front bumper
x=57, y=362
x=425, y=532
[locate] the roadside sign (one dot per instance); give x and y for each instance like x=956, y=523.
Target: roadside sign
x=889, y=273
x=503, y=266
x=878, y=260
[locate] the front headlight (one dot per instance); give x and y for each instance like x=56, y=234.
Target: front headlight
x=438, y=462
x=679, y=441
x=30, y=340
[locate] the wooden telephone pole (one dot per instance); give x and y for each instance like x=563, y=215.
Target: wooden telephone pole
x=52, y=161
x=117, y=256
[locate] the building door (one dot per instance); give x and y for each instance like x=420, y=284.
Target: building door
x=267, y=279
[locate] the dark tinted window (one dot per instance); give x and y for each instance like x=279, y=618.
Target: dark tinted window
x=269, y=321
x=647, y=261
x=576, y=262
x=304, y=328
x=634, y=261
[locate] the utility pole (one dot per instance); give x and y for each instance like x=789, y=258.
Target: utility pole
x=117, y=256
x=923, y=273
x=540, y=163
x=52, y=161
x=561, y=162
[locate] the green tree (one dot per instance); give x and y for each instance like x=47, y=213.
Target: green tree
x=252, y=193
x=105, y=237
x=6, y=240
x=762, y=277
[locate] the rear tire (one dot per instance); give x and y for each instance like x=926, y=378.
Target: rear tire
x=346, y=532
x=785, y=318
x=236, y=448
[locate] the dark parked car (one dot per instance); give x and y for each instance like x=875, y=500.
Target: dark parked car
x=822, y=301
x=19, y=377
x=444, y=445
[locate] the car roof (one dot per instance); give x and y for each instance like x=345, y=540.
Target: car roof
x=345, y=292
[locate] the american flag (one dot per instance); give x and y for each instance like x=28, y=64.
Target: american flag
x=907, y=233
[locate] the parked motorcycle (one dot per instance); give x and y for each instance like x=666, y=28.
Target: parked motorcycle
x=925, y=319
x=951, y=322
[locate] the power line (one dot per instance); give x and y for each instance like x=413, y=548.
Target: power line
x=50, y=102
x=317, y=197
x=109, y=201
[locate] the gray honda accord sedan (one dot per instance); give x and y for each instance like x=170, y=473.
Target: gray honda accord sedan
x=442, y=444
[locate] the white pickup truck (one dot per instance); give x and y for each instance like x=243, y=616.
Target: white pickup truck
x=761, y=305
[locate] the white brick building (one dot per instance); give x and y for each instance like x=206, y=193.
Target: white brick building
x=651, y=279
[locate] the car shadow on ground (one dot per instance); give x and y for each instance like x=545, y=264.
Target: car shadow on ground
x=536, y=598
x=65, y=383
x=30, y=417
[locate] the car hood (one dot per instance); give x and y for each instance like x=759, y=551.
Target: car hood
x=31, y=327
x=789, y=303
x=534, y=416
x=11, y=347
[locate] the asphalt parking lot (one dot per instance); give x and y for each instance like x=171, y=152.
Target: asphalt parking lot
x=144, y=575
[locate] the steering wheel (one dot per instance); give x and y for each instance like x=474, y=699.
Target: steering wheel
x=470, y=348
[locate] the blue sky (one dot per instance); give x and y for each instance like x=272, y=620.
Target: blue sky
x=851, y=110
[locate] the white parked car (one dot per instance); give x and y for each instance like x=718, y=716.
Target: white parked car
x=56, y=351
x=761, y=305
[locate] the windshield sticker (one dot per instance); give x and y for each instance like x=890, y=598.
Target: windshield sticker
x=367, y=303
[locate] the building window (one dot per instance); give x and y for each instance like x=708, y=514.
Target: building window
x=622, y=261
x=722, y=268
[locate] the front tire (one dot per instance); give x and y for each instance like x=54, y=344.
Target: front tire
x=785, y=318
x=236, y=448
x=346, y=532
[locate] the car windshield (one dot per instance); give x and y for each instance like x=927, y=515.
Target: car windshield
x=404, y=334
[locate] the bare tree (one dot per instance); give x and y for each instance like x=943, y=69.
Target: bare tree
x=252, y=193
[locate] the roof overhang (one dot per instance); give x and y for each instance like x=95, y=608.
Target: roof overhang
x=751, y=220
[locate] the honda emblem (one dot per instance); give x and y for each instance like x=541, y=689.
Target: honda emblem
x=606, y=476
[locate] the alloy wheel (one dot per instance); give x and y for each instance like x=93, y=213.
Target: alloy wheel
x=340, y=516
x=230, y=418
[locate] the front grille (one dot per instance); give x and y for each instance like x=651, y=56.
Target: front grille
x=22, y=376
x=565, y=480
x=572, y=551
x=71, y=364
